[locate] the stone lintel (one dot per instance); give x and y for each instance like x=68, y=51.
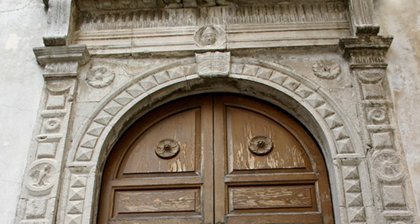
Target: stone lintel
x=61, y=54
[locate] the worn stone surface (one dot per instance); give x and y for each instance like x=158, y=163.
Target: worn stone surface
x=402, y=20
x=315, y=84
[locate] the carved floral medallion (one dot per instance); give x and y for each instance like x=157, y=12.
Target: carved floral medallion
x=326, y=69
x=99, y=77
x=387, y=165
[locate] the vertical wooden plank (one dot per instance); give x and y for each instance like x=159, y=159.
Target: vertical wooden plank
x=220, y=190
x=208, y=158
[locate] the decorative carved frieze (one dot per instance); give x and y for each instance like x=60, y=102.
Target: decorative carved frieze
x=151, y=4
x=269, y=24
x=366, y=53
x=286, y=13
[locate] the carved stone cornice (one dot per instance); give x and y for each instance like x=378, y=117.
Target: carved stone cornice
x=72, y=53
x=367, y=48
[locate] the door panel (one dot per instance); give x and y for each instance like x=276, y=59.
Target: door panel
x=279, y=148
x=156, y=201
x=272, y=198
x=176, y=131
x=215, y=159
x=267, y=167
x=161, y=169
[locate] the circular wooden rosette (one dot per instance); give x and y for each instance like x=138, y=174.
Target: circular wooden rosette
x=167, y=148
x=260, y=145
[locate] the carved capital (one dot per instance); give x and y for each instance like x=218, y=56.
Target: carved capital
x=63, y=61
x=367, y=49
x=72, y=53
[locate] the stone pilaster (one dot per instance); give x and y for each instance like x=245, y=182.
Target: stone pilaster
x=388, y=172
x=59, y=22
x=361, y=13
x=40, y=190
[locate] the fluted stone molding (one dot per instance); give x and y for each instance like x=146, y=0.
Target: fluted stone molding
x=59, y=22
x=389, y=175
x=361, y=12
x=39, y=195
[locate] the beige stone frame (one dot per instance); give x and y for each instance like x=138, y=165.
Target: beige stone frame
x=67, y=171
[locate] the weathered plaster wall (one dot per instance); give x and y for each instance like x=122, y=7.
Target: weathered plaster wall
x=22, y=24
x=401, y=19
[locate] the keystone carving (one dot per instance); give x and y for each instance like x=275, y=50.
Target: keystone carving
x=213, y=64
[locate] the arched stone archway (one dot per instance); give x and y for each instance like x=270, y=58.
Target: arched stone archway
x=302, y=98
x=370, y=182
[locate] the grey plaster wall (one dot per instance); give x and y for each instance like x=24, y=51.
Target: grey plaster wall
x=22, y=24
x=401, y=19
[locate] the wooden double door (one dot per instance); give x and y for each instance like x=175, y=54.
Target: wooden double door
x=215, y=159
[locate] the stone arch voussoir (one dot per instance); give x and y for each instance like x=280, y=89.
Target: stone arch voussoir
x=342, y=148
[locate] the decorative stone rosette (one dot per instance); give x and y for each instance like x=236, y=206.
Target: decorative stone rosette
x=326, y=69
x=99, y=77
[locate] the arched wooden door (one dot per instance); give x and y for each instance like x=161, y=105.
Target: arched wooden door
x=215, y=159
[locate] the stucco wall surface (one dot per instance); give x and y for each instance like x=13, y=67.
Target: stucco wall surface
x=401, y=19
x=22, y=24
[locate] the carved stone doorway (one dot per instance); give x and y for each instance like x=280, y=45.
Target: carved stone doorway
x=215, y=158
